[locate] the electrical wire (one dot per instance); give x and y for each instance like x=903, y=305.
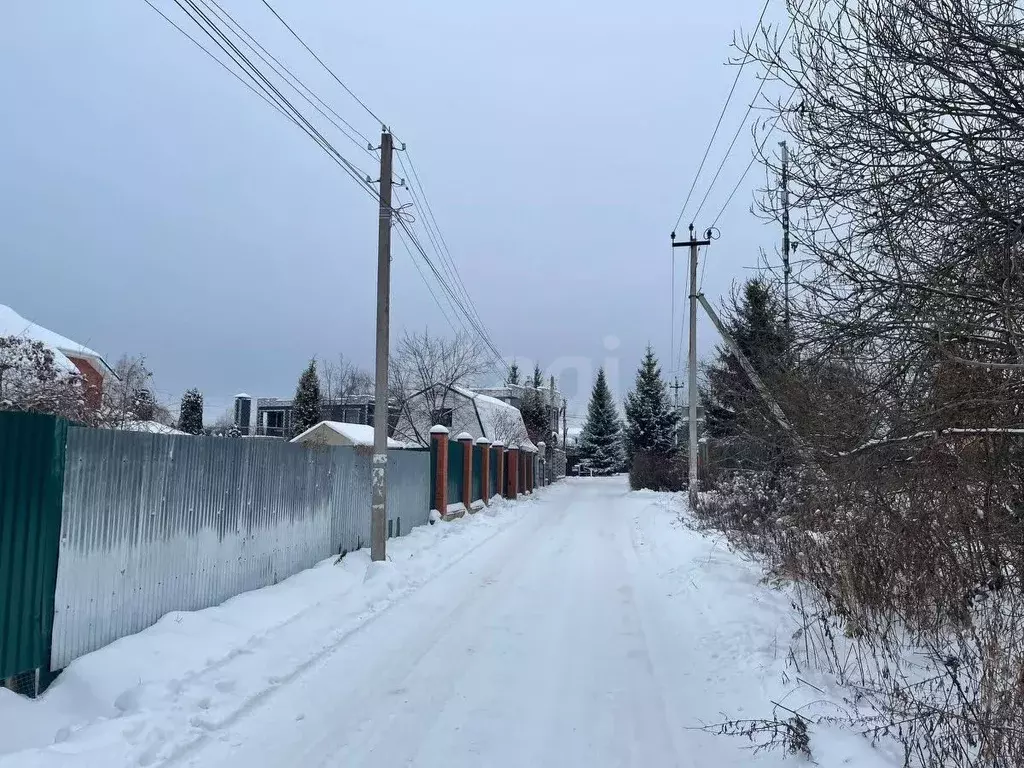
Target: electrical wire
x=739, y=128
x=443, y=252
x=461, y=302
x=286, y=74
x=322, y=64
x=213, y=56
x=718, y=124
x=221, y=39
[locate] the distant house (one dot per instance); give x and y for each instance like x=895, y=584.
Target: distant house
x=340, y=433
x=513, y=394
x=272, y=416
x=461, y=410
x=69, y=355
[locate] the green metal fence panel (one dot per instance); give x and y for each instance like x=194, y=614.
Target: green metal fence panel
x=433, y=474
x=456, y=471
x=478, y=472
x=31, y=492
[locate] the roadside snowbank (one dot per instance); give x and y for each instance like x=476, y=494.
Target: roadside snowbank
x=749, y=643
x=146, y=697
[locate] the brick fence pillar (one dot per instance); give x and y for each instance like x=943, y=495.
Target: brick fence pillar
x=467, y=469
x=439, y=442
x=485, y=468
x=499, y=448
x=542, y=465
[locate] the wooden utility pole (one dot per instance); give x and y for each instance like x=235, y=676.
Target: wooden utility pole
x=379, y=473
x=693, y=243
x=552, y=431
x=565, y=432
x=675, y=386
x=785, y=226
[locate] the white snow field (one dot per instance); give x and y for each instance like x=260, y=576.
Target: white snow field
x=584, y=627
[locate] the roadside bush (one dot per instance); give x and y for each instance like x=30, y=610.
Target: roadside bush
x=909, y=585
x=658, y=472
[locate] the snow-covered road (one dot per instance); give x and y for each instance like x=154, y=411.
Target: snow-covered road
x=594, y=629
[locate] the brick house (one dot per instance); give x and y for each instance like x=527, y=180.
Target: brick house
x=68, y=355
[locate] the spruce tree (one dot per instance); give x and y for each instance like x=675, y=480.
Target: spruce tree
x=736, y=415
x=513, y=375
x=190, y=419
x=307, y=408
x=538, y=377
x=650, y=418
x=535, y=414
x=145, y=405
x=601, y=439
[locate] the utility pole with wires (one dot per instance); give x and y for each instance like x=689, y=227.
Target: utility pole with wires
x=675, y=386
x=693, y=243
x=785, y=226
x=565, y=428
x=379, y=476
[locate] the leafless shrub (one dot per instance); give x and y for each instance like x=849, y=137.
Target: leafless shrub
x=32, y=380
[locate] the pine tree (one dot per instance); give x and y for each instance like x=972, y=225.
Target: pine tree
x=601, y=439
x=650, y=418
x=190, y=419
x=735, y=413
x=513, y=375
x=307, y=408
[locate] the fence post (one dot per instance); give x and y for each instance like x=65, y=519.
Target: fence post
x=467, y=469
x=499, y=446
x=543, y=462
x=485, y=468
x=512, y=481
x=439, y=443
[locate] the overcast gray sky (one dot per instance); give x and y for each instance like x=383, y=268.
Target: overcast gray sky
x=151, y=204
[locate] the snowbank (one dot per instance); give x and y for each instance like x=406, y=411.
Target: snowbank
x=147, y=697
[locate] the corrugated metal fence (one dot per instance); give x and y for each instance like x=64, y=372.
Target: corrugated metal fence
x=156, y=523
x=31, y=478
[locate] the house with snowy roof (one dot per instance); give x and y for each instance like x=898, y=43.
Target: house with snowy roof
x=461, y=410
x=68, y=355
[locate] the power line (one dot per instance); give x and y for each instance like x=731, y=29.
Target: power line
x=461, y=303
x=213, y=56
x=221, y=39
x=454, y=299
x=285, y=74
x=721, y=115
x=760, y=147
x=322, y=64
x=444, y=252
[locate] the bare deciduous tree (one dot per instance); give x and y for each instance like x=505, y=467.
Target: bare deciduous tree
x=341, y=379
x=428, y=366
x=906, y=125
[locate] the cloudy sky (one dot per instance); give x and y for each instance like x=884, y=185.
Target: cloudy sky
x=150, y=204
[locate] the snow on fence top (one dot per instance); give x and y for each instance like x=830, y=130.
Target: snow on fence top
x=439, y=429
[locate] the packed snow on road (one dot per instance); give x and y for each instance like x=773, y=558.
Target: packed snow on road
x=587, y=626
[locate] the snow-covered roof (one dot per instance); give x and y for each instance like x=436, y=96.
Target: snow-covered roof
x=357, y=434
x=13, y=324
x=492, y=411
x=153, y=427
